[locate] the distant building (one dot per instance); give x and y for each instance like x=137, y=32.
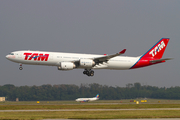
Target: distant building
x=2, y=98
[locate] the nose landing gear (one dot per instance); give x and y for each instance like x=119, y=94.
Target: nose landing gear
x=88, y=72
x=20, y=68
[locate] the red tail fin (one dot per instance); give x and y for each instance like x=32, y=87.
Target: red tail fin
x=157, y=50
x=153, y=55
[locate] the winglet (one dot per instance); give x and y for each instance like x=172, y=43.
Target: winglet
x=105, y=58
x=123, y=51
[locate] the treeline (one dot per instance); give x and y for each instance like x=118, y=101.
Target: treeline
x=71, y=92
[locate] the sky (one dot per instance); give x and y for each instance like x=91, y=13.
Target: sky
x=92, y=27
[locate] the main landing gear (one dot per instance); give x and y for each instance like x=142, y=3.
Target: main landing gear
x=88, y=72
x=20, y=68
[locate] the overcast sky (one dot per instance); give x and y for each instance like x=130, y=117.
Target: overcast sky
x=89, y=26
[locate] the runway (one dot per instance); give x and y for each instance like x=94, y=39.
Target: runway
x=124, y=119
x=88, y=110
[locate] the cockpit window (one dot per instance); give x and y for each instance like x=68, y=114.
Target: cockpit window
x=11, y=53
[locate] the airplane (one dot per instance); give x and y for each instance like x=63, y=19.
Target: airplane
x=88, y=62
x=87, y=99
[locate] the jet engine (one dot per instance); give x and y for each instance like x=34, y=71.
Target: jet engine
x=86, y=63
x=66, y=66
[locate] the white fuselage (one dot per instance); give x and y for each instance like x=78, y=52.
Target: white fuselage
x=86, y=99
x=55, y=58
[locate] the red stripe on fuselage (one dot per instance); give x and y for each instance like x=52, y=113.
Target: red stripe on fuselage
x=145, y=62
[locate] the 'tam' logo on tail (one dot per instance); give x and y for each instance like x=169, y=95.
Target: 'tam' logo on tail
x=157, y=50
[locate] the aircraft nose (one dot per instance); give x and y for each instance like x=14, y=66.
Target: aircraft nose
x=7, y=56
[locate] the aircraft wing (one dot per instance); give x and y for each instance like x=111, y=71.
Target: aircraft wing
x=103, y=58
x=160, y=60
x=107, y=57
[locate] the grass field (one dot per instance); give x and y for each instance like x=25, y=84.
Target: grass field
x=87, y=106
x=91, y=114
x=101, y=104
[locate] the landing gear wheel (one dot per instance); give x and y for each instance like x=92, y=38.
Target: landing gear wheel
x=84, y=72
x=92, y=73
x=20, y=68
x=88, y=72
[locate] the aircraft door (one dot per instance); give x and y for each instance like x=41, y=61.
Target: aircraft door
x=19, y=55
x=50, y=56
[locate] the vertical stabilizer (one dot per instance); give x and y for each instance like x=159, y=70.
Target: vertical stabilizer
x=153, y=55
x=97, y=96
x=157, y=50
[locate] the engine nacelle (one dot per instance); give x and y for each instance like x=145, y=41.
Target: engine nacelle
x=66, y=66
x=86, y=63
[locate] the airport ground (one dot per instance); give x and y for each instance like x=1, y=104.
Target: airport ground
x=101, y=109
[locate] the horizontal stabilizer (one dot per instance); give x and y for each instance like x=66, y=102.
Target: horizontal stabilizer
x=160, y=60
